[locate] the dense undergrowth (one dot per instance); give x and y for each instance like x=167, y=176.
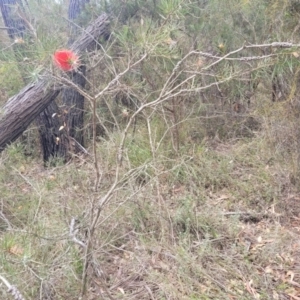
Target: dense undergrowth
x=218, y=221
x=205, y=201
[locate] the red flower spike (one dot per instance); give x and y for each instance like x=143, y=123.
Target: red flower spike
x=66, y=60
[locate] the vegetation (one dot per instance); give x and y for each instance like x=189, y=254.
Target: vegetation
x=190, y=185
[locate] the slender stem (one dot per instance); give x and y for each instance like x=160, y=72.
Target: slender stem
x=95, y=145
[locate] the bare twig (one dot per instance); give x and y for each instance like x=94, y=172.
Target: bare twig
x=2, y=216
x=246, y=58
x=117, y=78
x=173, y=87
x=12, y=289
x=94, y=116
x=72, y=233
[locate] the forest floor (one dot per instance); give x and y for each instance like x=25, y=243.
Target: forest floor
x=219, y=221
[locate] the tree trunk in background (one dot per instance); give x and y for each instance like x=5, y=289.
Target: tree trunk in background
x=11, y=11
x=50, y=136
x=15, y=25
x=72, y=100
x=23, y=108
x=74, y=106
x=55, y=143
x=75, y=9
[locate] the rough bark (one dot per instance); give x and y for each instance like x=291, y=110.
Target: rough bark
x=50, y=136
x=72, y=100
x=56, y=143
x=75, y=8
x=23, y=108
x=15, y=25
x=74, y=106
x=11, y=11
x=53, y=140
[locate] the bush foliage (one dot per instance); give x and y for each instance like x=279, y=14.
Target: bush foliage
x=190, y=185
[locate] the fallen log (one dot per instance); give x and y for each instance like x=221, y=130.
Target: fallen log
x=20, y=110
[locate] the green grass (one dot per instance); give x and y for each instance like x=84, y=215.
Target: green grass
x=180, y=231
x=203, y=222
x=204, y=204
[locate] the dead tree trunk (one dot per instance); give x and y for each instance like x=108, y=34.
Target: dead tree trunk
x=72, y=100
x=23, y=108
x=74, y=106
x=75, y=9
x=52, y=140
x=56, y=143
x=15, y=25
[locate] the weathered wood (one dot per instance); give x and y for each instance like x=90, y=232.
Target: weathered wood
x=75, y=9
x=46, y=126
x=14, y=24
x=72, y=100
x=55, y=142
x=73, y=103
x=23, y=108
x=87, y=40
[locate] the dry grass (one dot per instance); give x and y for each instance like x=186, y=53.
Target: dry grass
x=214, y=222
x=206, y=203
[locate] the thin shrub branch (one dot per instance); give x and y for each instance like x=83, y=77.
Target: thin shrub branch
x=12, y=289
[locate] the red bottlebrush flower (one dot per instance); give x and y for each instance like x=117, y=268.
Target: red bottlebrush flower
x=66, y=60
